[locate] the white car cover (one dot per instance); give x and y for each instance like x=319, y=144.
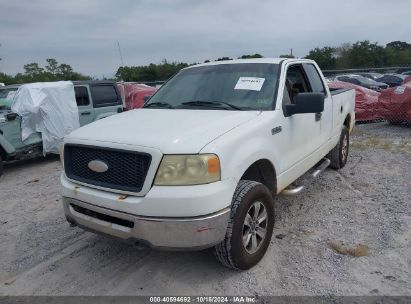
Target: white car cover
x=49, y=108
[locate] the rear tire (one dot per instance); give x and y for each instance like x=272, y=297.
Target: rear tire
x=339, y=155
x=250, y=227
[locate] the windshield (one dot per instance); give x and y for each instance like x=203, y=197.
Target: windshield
x=4, y=93
x=244, y=86
x=6, y=97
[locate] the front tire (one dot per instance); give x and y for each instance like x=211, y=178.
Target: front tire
x=339, y=155
x=250, y=227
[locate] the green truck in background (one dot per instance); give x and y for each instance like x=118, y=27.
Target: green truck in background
x=95, y=100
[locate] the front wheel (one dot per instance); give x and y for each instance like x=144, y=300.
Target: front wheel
x=339, y=155
x=250, y=228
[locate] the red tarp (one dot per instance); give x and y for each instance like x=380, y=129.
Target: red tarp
x=134, y=93
x=407, y=79
x=366, y=100
x=395, y=104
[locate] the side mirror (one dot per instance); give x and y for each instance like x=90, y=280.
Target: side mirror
x=306, y=103
x=147, y=98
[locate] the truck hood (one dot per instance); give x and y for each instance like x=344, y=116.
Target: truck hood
x=170, y=131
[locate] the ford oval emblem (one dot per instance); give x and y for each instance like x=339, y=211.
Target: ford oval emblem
x=98, y=166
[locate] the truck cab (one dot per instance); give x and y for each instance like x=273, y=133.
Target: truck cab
x=95, y=100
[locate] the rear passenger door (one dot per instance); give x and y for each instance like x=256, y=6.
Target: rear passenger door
x=85, y=108
x=106, y=100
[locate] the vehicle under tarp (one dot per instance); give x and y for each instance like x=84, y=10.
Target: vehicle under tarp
x=49, y=108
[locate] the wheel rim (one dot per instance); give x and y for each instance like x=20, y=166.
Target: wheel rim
x=344, y=150
x=255, y=227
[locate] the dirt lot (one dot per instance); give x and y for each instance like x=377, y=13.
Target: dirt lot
x=367, y=203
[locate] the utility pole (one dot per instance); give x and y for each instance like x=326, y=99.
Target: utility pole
x=121, y=55
x=291, y=54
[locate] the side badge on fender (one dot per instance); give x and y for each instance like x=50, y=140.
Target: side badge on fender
x=276, y=130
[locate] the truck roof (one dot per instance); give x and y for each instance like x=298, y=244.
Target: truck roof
x=252, y=60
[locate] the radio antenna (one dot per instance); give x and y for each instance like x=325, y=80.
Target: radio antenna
x=121, y=55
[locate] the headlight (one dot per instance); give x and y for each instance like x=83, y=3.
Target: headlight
x=188, y=170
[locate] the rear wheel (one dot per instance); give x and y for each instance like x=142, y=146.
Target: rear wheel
x=339, y=155
x=250, y=228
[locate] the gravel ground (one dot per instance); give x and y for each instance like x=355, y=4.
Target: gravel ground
x=367, y=203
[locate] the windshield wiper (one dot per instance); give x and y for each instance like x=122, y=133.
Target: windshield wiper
x=218, y=104
x=159, y=105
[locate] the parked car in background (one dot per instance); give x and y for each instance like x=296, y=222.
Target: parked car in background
x=362, y=81
x=7, y=94
x=406, y=73
x=371, y=75
x=135, y=94
x=366, y=100
x=95, y=100
x=393, y=80
x=395, y=104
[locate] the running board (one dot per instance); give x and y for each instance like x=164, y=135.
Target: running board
x=294, y=191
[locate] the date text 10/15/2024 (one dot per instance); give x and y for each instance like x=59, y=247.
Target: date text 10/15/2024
x=203, y=299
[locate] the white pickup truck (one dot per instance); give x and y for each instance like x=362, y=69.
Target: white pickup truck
x=200, y=165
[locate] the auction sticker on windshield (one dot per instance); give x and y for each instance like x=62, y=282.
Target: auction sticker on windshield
x=249, y=83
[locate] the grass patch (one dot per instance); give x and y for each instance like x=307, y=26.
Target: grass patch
x=373, y=142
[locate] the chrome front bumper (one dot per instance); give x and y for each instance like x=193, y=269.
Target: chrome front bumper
x=168, y=233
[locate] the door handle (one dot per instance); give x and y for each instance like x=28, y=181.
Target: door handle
x=85, y=113
x=318, y=116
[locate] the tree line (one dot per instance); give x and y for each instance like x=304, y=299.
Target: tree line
x=361, y=54
x=52, y=71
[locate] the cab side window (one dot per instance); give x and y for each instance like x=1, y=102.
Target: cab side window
x=296, y=82
x=317, y=85
x=104, y=96
x=81, y=94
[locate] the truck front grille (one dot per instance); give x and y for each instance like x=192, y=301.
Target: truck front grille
x=126, y=171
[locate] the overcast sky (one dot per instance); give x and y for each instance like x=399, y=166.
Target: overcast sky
x=84, y=33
